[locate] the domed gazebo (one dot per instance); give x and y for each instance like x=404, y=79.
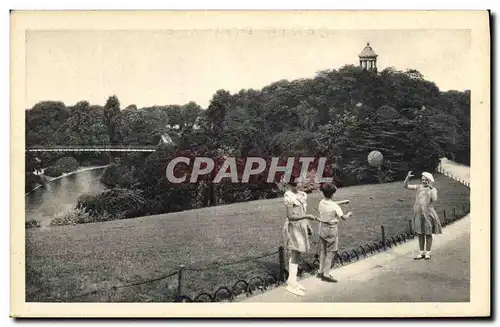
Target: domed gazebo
x=368, y=58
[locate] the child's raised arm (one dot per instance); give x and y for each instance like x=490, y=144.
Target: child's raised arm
x=407, y=180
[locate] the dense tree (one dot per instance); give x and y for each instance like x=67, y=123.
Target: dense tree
x=340, y=114
x=112, y=118
x=43, y=121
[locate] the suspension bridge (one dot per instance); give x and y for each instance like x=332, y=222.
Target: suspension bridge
x=92, y=148
x=165, y=139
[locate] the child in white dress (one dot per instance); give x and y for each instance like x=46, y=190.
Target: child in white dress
x=425, y=218
x=296, y=233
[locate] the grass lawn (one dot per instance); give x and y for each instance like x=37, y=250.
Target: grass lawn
x=64, y=262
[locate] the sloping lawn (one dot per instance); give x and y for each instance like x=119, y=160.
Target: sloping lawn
x=65, y=262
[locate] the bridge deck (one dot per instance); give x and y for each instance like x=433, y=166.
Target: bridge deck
x=94, y=148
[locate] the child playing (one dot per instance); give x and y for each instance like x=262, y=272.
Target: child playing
x=329, y=212
x=296, y=233
x=425, y=218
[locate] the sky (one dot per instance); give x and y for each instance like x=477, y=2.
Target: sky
x=165, y=67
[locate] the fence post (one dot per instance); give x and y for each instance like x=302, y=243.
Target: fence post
x=383, y=235
x=444, y=215
x=409, y=227
x=180, y=281
x=463, y=208
x=454, y=214
x=281, y=255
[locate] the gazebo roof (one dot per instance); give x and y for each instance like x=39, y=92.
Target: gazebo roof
x=368, y=52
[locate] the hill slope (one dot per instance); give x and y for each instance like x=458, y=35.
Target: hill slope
x=63, y=262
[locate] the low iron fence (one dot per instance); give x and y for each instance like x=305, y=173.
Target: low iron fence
x=260, y=283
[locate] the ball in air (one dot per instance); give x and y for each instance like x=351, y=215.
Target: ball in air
x=375, y=158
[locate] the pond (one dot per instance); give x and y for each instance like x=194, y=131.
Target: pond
x=61, y=194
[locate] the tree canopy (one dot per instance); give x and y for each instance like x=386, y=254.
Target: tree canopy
x=339, y=114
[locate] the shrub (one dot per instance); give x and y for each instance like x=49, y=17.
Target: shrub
x=123, y=176
x=233, y=193
x=67, y=164
x=48, y=157
x=31, y=180
x=31, y=163
x=92, y=158
x=309, y=183
x=53, y=171
x=104, y=216
x=135, y=159
x=364, y=174
x=72, y=217
x=81, y=216
x=281, y=184
x=33, y=223
x=88, y=203
x=116, y=203
x=129, y=203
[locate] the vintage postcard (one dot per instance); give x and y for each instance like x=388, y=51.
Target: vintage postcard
x=250, y=164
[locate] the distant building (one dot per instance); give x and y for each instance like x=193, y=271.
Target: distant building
x=368, y=58
x=165, y=139
x=174, y=127
x=196, y=124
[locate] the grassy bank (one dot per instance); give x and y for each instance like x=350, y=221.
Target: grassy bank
x=64, y=262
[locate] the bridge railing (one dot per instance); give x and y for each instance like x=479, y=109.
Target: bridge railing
x=103, y=147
